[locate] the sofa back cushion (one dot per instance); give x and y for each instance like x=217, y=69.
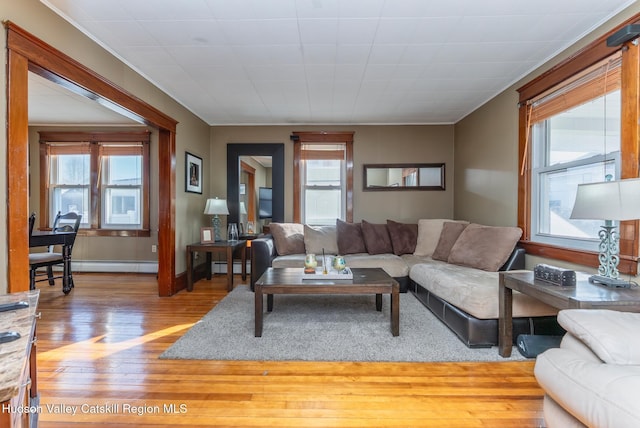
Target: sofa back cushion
x=403, y=237
x=319, y=238
x=484, y=247
x=376, y=238
x=288, y=237
x=451, y=231
x=350, y=239
x=429, y=231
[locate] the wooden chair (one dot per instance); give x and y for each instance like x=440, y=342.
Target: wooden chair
x=69, y=222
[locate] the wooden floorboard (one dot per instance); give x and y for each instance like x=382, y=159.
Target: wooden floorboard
x=98, y=351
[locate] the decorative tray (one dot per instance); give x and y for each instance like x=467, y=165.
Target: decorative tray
x=331, y=274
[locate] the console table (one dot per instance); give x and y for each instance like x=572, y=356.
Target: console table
x=584, y=295
x=222, y=247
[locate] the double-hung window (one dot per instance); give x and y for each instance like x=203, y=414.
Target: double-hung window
x=103, y=176
x=323, y=177
x=578, y=124
x=575, y=138
x=323, y=185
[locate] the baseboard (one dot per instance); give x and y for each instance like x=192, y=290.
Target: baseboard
x=114, y=266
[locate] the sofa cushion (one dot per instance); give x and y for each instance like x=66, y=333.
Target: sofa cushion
x=594, y=328
x=291, y=261
x=484, y=247
x=288, y=237
x=393, y=265
x=376, y=238
x=319, y=238
x=450, y=233
x=429, y=231
x=472, y=290
x=403, y=237
x=350, y=239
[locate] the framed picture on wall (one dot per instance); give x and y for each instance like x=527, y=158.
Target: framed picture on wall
x=193, y=173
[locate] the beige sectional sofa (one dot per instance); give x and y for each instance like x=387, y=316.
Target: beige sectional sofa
x=450, y=266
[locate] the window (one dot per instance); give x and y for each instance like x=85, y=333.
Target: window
x=578, y=124
x=575, y=137
x=103, y=176
x=323, y=177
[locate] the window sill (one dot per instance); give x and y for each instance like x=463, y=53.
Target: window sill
x=628, y=265
x=131, y=233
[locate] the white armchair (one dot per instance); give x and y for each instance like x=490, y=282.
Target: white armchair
x=593, y=379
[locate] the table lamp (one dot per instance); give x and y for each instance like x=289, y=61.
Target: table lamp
x=216, y=207
x=609, y=201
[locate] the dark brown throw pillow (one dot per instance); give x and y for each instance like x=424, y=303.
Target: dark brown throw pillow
x=376, y=238
x=350, y=239
x=403, y=236
x=449, y=235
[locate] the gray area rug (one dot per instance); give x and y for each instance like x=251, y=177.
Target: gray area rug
x=324, y=328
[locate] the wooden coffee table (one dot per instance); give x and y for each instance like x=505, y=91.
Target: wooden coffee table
x=584, y=295
x=289, y=281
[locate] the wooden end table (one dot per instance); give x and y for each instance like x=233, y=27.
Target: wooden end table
x=584, y=295
x=224, y=247
x=290, y=281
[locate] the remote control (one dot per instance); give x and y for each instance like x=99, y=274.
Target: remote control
x=13, y=306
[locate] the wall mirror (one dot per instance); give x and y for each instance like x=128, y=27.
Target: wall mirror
x=403, y=176
x=255, y=173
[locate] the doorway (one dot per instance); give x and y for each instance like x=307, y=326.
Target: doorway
x=28, y=53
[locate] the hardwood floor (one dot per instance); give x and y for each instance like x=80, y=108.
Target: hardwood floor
x=98, y=350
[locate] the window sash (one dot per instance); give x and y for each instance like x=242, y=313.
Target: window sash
x=313, y=216
x=101, y=152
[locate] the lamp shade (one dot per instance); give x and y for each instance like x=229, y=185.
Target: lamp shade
x=243, y=208
x=216, y=206
x=608, y=200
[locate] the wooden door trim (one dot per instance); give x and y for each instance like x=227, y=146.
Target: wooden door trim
x=28, y=53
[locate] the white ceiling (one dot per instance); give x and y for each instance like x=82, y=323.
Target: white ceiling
x=246, y=62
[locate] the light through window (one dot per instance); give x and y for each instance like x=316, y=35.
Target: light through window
x=103, y=176
x=575, y=132
x=323, y=167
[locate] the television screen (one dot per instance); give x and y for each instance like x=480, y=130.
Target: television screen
x=265, y=202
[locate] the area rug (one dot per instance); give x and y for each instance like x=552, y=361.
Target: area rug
x=324, y=328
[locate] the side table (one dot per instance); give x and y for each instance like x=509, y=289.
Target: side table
x=225, y=247
x=584, y=295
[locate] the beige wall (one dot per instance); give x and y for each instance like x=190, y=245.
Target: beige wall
x=372, y=144
x=486, y=151
x=192, y=133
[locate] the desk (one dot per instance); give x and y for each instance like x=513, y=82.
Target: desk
x=66, y=239
x=584, y=295
x=225, y=247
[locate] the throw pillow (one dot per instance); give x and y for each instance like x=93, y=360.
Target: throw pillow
x=450, y=233
x=484, y=247
x=429, y=231
x=376, y=238
x=288, y=238
x=320, y=238
x=403, y=237
x=350, y=239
